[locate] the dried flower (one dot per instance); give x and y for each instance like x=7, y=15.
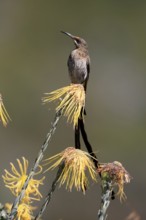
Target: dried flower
x=15, y=181
x=72, y=101
x=117, y=174
x=24, y=211
x=4, y=117
x=76, y=163
x=133, y=216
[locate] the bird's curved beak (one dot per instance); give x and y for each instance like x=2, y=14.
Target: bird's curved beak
x=68, y=34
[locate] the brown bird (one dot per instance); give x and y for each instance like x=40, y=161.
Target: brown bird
x=79, y=69
x=79, y=61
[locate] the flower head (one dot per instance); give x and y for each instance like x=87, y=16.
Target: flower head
x=76, y=163
x=72, y=101
x=4, y=117
x=117, y=174
x=24, y=211
x=15, y=181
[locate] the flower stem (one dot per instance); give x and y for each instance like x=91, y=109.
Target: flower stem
x=105, y=198
x=35, y=166
x=49, y=195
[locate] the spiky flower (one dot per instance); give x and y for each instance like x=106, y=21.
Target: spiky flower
x=24, y=211
x=15, y=181
x=4, y=116
x=117, y=174
x=72, y=102
x=76, y=163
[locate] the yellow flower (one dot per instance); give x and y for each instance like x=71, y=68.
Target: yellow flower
x=15, y=181
x=117, y=174
x=72, y=101
x=4, y=117
x=76, y=163
x=24, y=211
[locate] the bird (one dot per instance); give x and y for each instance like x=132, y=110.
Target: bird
x=79, y=69
x=78, y=61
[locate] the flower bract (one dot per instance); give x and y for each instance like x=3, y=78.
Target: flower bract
x=4, y=116
x=117, y=174
x=71, y=101
x=77, y=164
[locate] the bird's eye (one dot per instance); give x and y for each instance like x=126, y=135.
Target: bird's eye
x=78, y=41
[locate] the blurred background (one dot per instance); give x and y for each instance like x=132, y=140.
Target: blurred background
x=33, y=57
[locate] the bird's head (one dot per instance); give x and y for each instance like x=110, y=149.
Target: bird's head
x=79, y=42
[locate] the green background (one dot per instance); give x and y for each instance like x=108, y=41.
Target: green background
x=33, y=56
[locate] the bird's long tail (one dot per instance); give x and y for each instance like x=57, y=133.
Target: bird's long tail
x=80, y=128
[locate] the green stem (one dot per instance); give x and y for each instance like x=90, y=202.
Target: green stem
x=105, y=198
x=36, y=164
x=49, y=195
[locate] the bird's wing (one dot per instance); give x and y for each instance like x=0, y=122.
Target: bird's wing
x=88, y=71
x=88, y=67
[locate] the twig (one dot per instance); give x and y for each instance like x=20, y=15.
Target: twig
x=35, y=166
x=105, y=199
x=49, y=195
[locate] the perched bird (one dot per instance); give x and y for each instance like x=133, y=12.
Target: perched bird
x=79, y=69
x=79, y=61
